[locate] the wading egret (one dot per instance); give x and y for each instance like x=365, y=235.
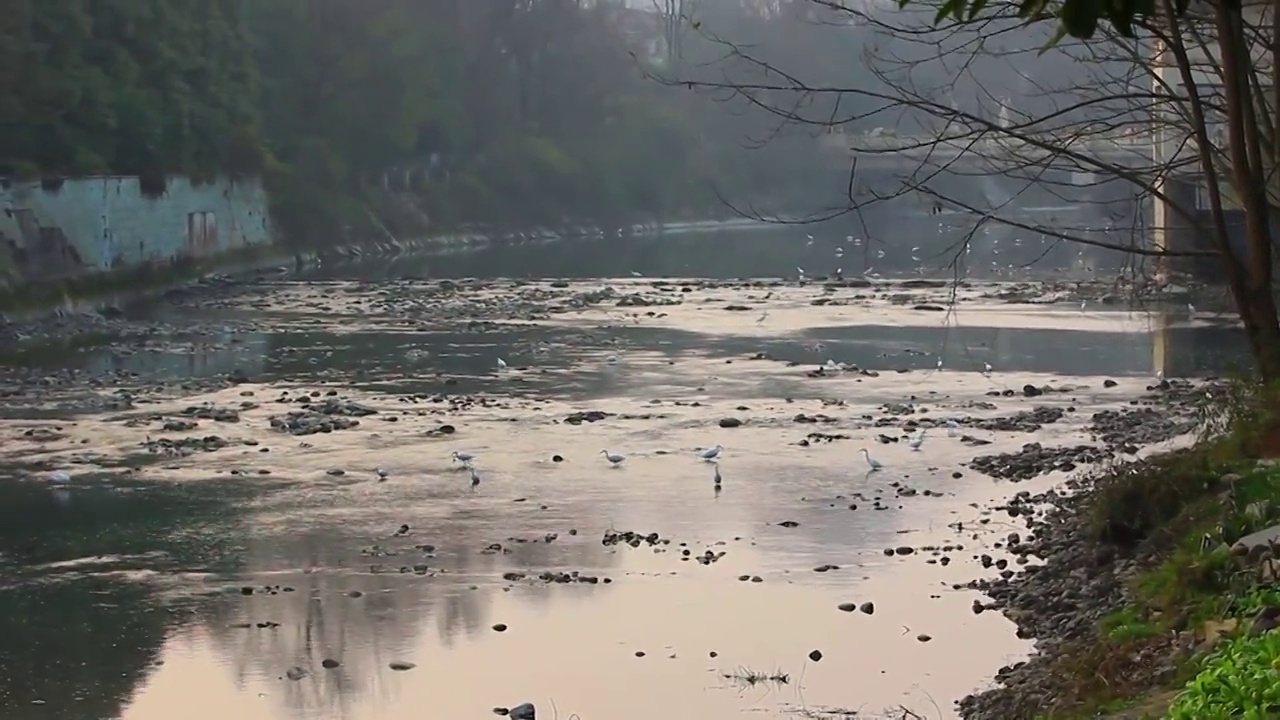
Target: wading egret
x=915, y=442
x=874, y=463
x=475, y=478
x=463, y=457
x=711, y=453
x=614, y=459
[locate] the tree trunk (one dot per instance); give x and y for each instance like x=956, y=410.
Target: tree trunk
x=1250, y=276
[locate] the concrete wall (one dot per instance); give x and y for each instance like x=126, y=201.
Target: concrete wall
x=92, y=225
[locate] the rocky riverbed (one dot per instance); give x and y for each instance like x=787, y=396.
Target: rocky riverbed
x=268, y=461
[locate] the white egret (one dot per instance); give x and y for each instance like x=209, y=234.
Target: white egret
x=874, y=463
x=711, y=453
x=502, y=364
x=475, y=478
x=614, y=459
x=463, y=457
x=915, y=442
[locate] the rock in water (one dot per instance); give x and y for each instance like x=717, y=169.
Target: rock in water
x=523, y=712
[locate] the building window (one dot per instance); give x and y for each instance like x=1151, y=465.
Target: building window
x=1228, y=197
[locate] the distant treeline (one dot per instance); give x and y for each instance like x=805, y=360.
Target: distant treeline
x=493, y=111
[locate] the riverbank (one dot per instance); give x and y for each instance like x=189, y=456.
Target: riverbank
x=1156, y=588
x=87, y=304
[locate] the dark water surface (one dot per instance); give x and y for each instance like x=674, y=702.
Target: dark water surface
x=187, y=586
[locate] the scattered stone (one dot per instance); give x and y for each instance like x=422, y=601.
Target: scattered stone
x=1035, y=459
x=524, y=711
x=401, y=665
x=589, y=416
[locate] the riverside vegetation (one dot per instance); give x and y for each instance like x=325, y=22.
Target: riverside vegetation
x=375, y=118
x=1148, y=606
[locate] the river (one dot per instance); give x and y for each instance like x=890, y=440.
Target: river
x=214, y=579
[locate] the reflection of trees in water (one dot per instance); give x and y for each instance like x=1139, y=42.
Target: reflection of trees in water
x=319, y=620
x=82, y=646
x=82, y=641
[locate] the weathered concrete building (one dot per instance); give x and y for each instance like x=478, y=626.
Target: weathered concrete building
x=71, y=228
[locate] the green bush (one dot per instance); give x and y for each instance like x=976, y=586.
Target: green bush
x=1240, y=681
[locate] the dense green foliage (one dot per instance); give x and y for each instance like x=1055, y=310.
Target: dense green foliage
x=1076, y=18
x=1239, y=680
x=381, y=113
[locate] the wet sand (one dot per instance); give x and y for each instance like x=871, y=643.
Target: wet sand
x=322, y=555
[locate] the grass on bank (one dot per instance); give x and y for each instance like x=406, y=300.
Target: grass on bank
x=1183, y=647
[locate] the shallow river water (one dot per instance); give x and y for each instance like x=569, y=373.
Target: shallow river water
x=216, y=580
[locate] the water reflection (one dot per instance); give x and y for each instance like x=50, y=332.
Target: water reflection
x=920, y=247
x=571, y=362
x=82, y=612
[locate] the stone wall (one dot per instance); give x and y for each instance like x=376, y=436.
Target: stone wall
x=72, y=228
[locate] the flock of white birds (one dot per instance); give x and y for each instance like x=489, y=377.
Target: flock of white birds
x=711, y=455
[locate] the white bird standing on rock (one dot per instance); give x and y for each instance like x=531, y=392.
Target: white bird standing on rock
x=614, y=459
x=711, y=453
x=463, y=457
x=915, y=442
x=874, y=463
